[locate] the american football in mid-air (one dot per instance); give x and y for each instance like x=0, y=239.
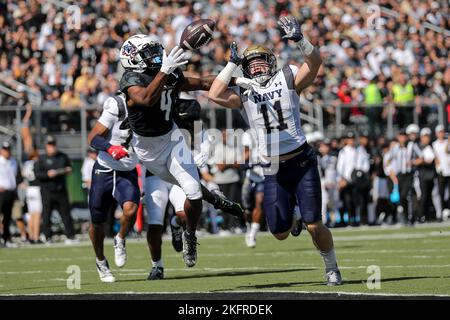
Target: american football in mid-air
x=197, y=34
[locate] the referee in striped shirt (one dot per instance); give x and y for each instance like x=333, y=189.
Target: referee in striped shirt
x=404, y=156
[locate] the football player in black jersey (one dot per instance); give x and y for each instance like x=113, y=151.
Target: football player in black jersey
x=152, y=82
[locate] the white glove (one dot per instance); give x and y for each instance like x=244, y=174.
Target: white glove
x=173, y=60
x=200, y=159
x=248, y=84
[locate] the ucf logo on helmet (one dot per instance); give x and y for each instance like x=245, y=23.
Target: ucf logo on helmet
x=129, y=50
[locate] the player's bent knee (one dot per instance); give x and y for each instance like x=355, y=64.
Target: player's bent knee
x=130, y=209
x=281, y=236
x=314, y=228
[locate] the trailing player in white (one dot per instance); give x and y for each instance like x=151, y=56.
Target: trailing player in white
x=114, y=176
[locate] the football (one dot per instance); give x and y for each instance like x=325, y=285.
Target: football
x=197, y=34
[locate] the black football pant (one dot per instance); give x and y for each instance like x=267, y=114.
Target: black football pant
x=6, y=204
x=348, y=198
x=59, y=201
x=426, y=189
x=405, y=185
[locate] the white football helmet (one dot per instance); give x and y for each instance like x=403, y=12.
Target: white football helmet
x=141, y=52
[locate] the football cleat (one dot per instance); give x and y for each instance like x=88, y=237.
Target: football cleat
x=250, y=241
x=189, y=249
x=334, y=278
x=120, y=252
x=104, y=272
x=297, y=228
x=177, y=238
x=227, y=206
x=157, y=273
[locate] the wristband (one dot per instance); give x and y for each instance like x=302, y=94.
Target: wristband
x=100, y=143
x=227, y=72
x=305, y=46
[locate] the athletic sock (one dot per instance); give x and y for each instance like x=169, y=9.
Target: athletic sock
x=297, y=215
x=100, y=261
x=329, y=259
x=158, y=264
x=174, y=222
x=254, y=228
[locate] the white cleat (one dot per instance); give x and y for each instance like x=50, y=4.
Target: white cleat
x=250, y=241
x=104, y=272
x=120, y=252
x=333, y=278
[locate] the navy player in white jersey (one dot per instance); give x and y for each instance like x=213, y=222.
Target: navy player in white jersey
x=114, y=176
x=271, y=105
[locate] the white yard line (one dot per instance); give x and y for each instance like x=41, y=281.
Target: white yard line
x=291, y=267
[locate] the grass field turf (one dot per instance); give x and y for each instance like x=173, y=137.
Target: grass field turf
x=413, y=261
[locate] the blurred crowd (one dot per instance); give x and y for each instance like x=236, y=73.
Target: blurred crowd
x=371, y=56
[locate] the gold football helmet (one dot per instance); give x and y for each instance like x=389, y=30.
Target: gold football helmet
x=259, y=63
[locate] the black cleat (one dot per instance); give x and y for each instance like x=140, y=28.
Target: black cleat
x=297, y=228
x=189, y=249
x=177, y=238
x=157, y=273
x=227, y=206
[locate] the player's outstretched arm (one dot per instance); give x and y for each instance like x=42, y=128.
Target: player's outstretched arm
x=219, y=92
x=309, y=69
x=149, y=95
x=194, y=84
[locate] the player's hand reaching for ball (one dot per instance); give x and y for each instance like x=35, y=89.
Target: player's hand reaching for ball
x=234, y=55
x=291, y=28
x=248, y=84
x=118, y=152
x=172, y=61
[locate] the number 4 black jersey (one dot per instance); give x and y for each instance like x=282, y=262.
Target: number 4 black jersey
x=155, y=119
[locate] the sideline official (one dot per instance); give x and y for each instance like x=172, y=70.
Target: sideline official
x=51, y=171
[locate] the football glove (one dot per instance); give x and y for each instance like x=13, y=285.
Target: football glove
x=291, y=28
x=234, y=55
x=200, y=159
x=173, y=60
x=395, y=195
x=248, y=84
x=118, y=152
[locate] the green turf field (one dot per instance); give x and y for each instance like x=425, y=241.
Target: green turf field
x=412, y=261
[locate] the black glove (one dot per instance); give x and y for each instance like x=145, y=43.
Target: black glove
x=234, y=55
x=291, y=28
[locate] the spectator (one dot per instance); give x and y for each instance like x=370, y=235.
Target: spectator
x=51, y=170
x=403, y=96
x=10, y=177
x=441, y=149
x=345, y=166
x=225, y=170
x=427, y=173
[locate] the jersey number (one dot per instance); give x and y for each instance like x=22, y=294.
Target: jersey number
x=166, y=103
x=277, y=106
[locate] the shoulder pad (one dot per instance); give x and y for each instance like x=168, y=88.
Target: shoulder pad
x=130, y=79
x=110, y=105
